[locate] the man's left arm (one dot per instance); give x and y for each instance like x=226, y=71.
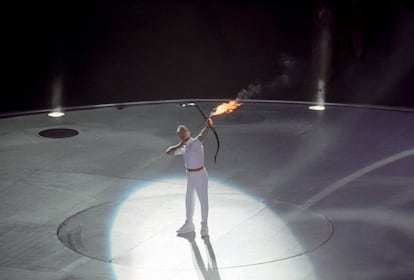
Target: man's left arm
x=203, y=133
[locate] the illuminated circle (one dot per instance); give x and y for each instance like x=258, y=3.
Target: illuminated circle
x=139, y=232
x=56, y=114
x=317, y=108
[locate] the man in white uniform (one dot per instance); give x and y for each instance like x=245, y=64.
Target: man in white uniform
x=197, y=178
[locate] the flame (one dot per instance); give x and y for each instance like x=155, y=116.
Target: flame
x=226, y=108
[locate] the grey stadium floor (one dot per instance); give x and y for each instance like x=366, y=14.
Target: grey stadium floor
x=294, y=194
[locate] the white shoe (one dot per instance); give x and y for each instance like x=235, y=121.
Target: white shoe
x=186, y=228
x=204, y=230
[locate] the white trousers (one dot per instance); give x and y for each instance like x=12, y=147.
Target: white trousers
x=197, y=182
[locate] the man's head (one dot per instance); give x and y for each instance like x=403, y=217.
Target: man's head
x=183, y=132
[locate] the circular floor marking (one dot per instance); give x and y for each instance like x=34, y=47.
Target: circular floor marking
x=141, y=232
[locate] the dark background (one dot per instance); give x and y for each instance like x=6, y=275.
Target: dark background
x=97, y=52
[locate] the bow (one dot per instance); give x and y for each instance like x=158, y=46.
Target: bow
x=205, y=118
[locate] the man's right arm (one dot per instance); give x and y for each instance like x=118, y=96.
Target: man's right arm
x=171, y=150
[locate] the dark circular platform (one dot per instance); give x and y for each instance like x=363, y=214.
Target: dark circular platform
x=58, y=133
